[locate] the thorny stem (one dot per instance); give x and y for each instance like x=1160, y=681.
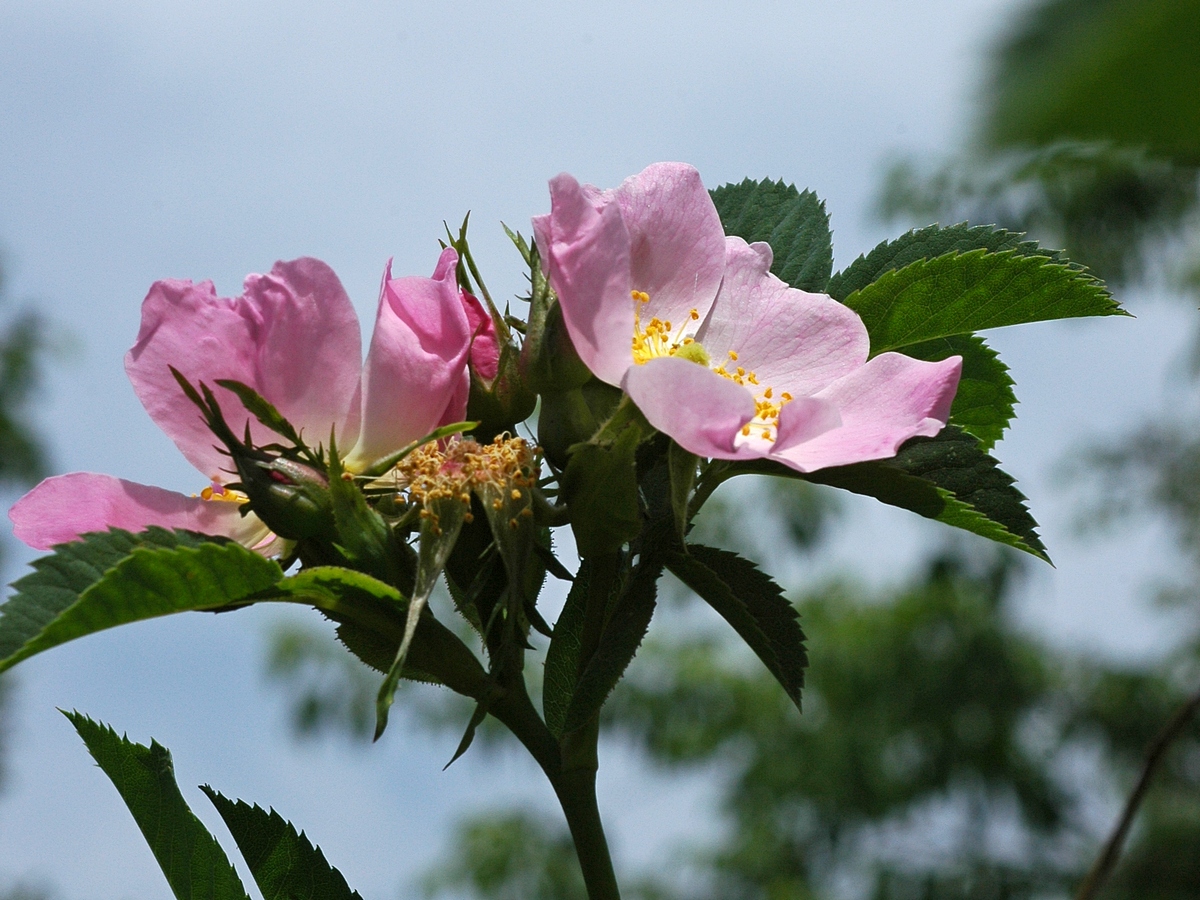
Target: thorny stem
x=1107, y=860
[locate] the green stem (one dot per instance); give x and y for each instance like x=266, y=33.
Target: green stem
x=576, y=790
x=572, y=773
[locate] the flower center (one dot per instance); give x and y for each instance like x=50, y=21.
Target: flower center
x=501, y=473
x=221, y=494
x=656, y=339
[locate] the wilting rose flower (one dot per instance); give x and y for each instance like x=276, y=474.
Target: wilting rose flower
x=294, y=338
x=715, y=351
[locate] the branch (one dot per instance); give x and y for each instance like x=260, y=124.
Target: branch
x=1107, y=860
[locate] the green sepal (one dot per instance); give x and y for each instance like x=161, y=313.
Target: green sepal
x=284, y=864
x=753, y=604
x=794, y=223
x=928, y=243
x=562, y=656
x=159, y=573
x=682, y=466
x=947, y=478
x=195, y=865
x=439, y=531
x=363, y=536
x=268, y=416
x=958, y=293
x=477, y=716
x=625, y=626
x=983, y=405
x=600, y=487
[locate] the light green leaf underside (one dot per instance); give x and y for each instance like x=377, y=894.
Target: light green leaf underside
x=113, y=578
x=194, y=863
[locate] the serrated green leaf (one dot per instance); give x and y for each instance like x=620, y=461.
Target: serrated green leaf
x=928, y=243
x=753, y=604
x=152, y=578
x=58, y=579
x=958, y=293
x=795, y=224
x=285, y=865
x=626, y=627
x=194, y=863
x=947, y=478
x=983, y=405
x=562, y=656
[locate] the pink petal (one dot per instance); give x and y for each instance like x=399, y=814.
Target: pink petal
x=882, y=404
x=586, y=251
x=792, y=340
x=416, y=364
x=702, y=411
x=676, y=239
x=62, y=508
x=292, y=336
x=485, y=348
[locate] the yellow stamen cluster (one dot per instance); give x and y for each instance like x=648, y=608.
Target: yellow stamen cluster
x=223, y=495
x=655, y=338
x=504, y=469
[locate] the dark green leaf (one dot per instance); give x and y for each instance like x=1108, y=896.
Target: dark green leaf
x=194, y=863
x=929, y=243
x=948, y=478
x=562, y=657
x=983, y=405
x=753, y=604
x=795, y=224
x=285, y=865
x=958, y=293
x=623, y=633
x=112, y=578
x=600, y=486
x=682, y=466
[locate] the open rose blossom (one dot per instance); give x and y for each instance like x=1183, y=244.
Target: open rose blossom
x=294, y=338
x=715, y=351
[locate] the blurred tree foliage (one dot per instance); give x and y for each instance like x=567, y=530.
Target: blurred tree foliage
x=23, y=454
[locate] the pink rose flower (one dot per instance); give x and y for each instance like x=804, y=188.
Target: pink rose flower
x=294, y=338
x=715, y=351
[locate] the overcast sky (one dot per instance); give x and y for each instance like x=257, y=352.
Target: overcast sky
x=150, y=139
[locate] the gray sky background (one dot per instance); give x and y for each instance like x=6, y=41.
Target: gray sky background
x=150, y=139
